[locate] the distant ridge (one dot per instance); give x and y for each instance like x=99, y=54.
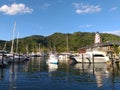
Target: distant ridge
x=76, y=40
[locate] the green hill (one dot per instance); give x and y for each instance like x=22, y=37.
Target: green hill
x=58, y=41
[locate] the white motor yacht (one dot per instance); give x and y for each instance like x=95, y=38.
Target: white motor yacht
x=97, y=56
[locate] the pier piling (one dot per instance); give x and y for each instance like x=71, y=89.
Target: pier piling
x=83, y=62
x=13, y=58
x=93, y=62
x=2, y=59
x=19, y=57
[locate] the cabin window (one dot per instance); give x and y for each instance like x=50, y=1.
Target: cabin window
x=98, y=55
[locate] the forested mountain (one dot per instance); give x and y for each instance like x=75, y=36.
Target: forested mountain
x=57, y=41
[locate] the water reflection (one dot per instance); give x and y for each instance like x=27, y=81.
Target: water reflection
x=52, y=68
x=13, y=76
x=36, y=73
x=1, y=73
x=37, y=64
x=96, y=72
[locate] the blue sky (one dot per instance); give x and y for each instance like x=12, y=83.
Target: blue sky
x=45, y=17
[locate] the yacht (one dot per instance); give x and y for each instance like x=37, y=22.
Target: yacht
x=3, y=58
x=89, y=56
x=53, y=58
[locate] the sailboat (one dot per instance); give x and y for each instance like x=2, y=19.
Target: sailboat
x=65, y=56
x=53, y=57
x=14, y=56
x=2, y=58
x=39, y=52
x=11, y=54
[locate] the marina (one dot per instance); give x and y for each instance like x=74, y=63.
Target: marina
x=37, y=74
x=59, y=45
x=95, y=67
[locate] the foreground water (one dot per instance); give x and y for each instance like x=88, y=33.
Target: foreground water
x=36, y=74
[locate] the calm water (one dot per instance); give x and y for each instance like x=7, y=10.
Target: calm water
x=36, y=74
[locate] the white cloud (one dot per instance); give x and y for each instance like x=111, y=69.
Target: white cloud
x=117, y=32
x=85, y=26
x=15, y=9
x=86, y=8
x=114, y=8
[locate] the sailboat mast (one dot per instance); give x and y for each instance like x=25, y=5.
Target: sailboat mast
x=67, y=43
x=17, y=42
x=39, y=48
x=13, y=37
x=5, y=46
x=27, y=49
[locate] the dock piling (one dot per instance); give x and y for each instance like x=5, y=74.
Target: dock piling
x=19, y=57
x=13, y=58
x=2, y=59
x=93, y=62
x=83, y=62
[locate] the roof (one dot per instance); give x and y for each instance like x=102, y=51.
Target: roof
x=101, y=45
